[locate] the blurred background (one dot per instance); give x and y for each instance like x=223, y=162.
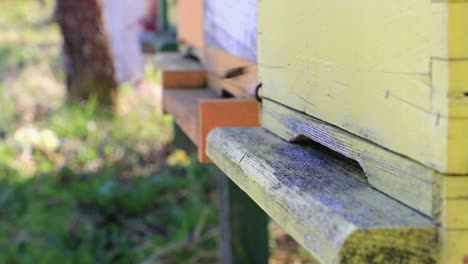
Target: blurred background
x=91, y=170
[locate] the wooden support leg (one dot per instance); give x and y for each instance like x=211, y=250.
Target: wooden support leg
x=243, y=224
x=244, y=231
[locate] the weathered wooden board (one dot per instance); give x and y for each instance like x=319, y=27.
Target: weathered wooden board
x=225, y=113
x=183, y=105
x=180, y=72
x=232, y=26
x=320, y=198
x=191, y=22
x=410, y=182
x=219, y=64
x=393, y=72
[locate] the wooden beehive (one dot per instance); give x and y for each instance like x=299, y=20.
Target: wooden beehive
x=215, y=33
x=231, y=46
x=383, y=83
x=190, y=23
x=391, y=72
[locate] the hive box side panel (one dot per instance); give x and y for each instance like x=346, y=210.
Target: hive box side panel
x=453, y=245
x=191, y=17
x=232, y=26
x=372, y=68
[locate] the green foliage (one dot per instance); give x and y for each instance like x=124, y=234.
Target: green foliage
x=103, y=219
x=27, y=31
x=61, y=211
x=152, y=74
x=74, y=119
x=143, y=124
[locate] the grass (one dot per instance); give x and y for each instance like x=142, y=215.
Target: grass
x=99, y=218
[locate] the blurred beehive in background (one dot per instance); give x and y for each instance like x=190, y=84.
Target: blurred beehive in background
x=190, y=22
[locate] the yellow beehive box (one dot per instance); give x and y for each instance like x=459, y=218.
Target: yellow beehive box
x=393, y=72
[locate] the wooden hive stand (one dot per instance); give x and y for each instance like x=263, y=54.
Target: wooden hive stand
x=198, y=105
x=196, y=108
x=190, y=32
x=211, y=81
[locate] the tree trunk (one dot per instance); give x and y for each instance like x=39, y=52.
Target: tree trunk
x=90, y=69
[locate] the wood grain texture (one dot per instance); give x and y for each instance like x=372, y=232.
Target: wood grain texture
x=225, y=113
x=232, y=27
x=399, y=177
x=392, y=72
x=180, y=72
x=218, y=62
x=320, y=199
x=190, y=28
x=183, y=105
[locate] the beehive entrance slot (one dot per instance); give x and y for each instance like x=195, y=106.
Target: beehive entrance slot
x=306, y=141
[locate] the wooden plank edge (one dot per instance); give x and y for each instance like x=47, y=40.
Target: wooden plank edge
x=184, y=115
x=183, y=79
x=180, y=72
x=315, y=197
x=183, y=105
x=225, y=113
x=208, y=113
